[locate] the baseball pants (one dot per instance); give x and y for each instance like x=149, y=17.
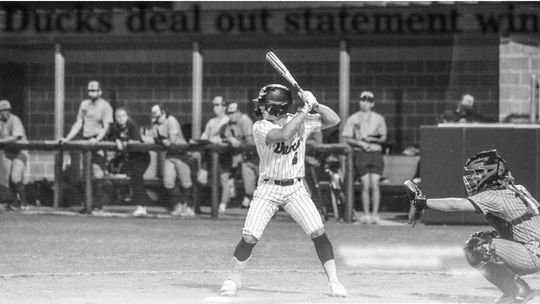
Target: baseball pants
x=294, y=199
x=523, y=259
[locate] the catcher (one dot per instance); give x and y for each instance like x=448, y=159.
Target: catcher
x=512, y=249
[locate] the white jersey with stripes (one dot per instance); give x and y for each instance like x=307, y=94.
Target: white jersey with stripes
x=506, y=205
x=283, y=160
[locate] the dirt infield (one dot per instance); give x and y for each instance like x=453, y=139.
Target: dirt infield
x=84, y=259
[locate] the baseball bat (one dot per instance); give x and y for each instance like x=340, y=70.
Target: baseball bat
x=282, y=69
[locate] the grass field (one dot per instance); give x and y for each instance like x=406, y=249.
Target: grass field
x=85, y=259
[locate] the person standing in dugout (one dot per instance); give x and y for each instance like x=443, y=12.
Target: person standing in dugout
x=365, y=131
x=12, y=130
x=280, y=139
x=510, y=250
x=94, y=117
x=166, y=131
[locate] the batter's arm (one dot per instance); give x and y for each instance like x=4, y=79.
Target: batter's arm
x=329, y=118
x=287, y=131
x=451, y=204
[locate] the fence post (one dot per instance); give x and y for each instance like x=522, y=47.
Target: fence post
x=58, y=178
x=87, y=171
x=533, y=100
x=349, y=186
x=215, y=183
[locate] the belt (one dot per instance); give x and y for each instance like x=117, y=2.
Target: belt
x=283, y=182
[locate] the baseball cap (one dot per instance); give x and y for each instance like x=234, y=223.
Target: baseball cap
x=467, y=100
x=232, y=108
x=367, y=95
x=93, y=86
x=5, y=105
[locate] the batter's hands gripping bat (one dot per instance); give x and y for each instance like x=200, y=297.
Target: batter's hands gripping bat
x=282, y=69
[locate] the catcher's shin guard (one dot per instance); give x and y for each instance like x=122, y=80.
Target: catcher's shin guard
x=501, y=276
x=479, y=254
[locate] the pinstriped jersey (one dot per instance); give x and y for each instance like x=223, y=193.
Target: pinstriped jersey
x=283, y=160
x=505, y=204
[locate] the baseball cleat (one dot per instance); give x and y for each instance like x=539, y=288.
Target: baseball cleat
x=337, y=290
x=229, y=288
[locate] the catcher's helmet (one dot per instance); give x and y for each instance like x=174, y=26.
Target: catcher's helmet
x=275, y=98
x=484, y=170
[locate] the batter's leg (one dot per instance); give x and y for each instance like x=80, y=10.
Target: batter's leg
x=259, y=214
x=303, y=211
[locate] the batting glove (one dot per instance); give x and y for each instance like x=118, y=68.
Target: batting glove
x=309, y=100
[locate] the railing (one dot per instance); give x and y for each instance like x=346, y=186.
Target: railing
x=87, y=148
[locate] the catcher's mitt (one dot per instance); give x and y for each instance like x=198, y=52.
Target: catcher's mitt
x=417, y=201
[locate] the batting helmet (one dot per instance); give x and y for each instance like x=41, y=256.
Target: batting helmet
x=276, y=99
x=484, y=170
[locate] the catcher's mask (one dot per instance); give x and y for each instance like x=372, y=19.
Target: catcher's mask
x=276, y=99
x=484, y=170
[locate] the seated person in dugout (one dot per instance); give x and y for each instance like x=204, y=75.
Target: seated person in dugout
x=16, y=161
x=464, y=113
x=94, y=117
x=239, y=132
x=509, y=251
x=166, y=131
x=125, y=131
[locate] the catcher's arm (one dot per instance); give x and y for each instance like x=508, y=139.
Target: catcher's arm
x=451, y=204
x=419, y=202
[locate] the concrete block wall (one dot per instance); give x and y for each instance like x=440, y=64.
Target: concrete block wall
x=518, y=62
x=413, y=85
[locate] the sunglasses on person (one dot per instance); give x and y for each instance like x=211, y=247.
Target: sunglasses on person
x=217, y=105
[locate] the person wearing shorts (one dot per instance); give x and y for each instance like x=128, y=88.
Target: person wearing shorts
x=365, y=131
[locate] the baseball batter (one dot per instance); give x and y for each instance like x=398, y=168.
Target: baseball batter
x=280, y=139
x=512, y=249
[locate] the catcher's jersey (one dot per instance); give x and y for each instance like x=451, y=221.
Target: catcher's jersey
x=283, y=160
x=505, y=204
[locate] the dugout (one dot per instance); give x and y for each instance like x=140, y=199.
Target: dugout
x=417, y=57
